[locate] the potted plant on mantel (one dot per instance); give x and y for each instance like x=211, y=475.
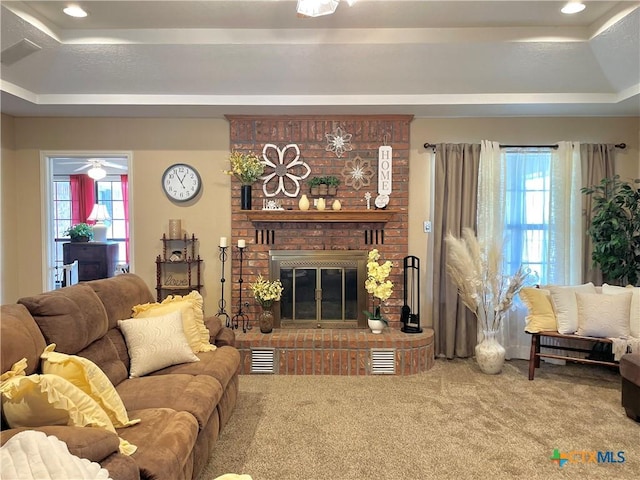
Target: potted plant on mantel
x=81, y=232
x=615, y=229
x=324, y=185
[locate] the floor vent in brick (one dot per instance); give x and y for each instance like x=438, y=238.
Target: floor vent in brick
x=262, y=360
x=383, y=361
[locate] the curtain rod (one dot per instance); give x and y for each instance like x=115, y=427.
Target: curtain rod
x=617, y=145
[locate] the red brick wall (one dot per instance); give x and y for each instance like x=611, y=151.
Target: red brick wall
x=250, y=134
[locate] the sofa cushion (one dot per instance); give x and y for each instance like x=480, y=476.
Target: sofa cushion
x=221, y=364
x=634, y=317
x=119, y=294
x=197, y=395
x=565, y=305
x=190, y=308
x=71, y=317
x=601, y=315
x=21, y=338
x=156, y=342
x=37, y=400
x=110, y=354
x=167, y=439
x=94, y=444
x=85, y=375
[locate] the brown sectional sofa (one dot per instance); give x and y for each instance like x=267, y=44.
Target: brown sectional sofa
x=630, y=373
x=182, y=408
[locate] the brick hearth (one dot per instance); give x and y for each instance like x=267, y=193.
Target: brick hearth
x=336, y=351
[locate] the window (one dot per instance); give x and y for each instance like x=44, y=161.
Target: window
x=528, y=174
x=61, y=217
x=109, y=194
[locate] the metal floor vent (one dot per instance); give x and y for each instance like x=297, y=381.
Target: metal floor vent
x=383, y=361
x=262, y=360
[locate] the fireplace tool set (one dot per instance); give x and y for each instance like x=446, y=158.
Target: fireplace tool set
x=410, y=313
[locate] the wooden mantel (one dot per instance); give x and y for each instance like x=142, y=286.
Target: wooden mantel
x=320, y=216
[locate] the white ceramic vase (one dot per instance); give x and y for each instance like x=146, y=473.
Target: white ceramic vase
x=489, y=353
x=376, y=326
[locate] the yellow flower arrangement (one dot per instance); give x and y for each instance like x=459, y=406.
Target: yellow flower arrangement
x=266, y=292
x=246, y=167
x=378, y=284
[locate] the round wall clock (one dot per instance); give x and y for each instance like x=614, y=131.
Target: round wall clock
x=181, y=182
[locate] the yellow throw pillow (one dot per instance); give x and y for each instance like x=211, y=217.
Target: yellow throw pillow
x=541, y=317
x=86, y=375
x=190, y=307
x=39, y=400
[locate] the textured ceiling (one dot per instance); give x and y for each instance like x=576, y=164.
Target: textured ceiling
x=426, y=58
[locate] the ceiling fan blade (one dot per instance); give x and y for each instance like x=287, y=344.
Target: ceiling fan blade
x=113, y=165
x=83, y=168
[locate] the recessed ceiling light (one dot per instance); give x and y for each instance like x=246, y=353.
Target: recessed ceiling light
x=75, y=11
x=573, y=7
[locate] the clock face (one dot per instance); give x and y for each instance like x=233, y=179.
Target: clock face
x=181, y=182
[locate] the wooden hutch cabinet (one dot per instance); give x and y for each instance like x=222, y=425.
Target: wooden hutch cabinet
x=95, y=259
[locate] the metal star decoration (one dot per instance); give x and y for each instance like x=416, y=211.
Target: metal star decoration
x=357, y=173
x=338, y=142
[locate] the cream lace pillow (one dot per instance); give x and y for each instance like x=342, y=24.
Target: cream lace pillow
x=565, y=306
x=156, y=342
x=634, y=317
x=601, y=315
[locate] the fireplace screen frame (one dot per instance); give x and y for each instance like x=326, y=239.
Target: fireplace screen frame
x=322, y=259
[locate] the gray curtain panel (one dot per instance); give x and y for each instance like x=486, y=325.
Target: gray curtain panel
x=455, y=205
x=597, y=163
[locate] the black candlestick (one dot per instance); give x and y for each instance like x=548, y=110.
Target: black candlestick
x=240, y=314
x=222, y=303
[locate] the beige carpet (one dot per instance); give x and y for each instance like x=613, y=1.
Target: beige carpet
x=452, y=422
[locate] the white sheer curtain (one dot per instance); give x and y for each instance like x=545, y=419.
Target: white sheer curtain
x=531, y=199
x=565, y=216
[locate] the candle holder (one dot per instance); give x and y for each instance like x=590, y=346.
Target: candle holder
x=240, y=315
x=222, y=303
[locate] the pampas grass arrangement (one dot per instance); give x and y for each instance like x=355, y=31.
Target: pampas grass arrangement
x=476, y=270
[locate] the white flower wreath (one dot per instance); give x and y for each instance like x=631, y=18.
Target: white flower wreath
x=282, y=170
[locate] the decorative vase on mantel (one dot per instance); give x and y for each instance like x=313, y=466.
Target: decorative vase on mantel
x=489, y=353
x=245, y=197
x=265, y=319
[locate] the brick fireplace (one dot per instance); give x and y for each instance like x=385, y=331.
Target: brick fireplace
x=353, y=229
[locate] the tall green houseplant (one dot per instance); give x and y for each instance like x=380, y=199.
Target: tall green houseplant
x=615, y=229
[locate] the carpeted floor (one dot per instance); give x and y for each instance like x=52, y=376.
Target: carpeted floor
x=452, y=422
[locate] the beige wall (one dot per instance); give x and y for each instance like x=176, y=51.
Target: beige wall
x=8, y=212
x=204, y=143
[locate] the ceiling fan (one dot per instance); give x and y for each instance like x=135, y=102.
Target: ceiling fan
x=95, y=167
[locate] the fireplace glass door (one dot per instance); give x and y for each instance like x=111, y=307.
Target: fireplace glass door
x=319, y=295
x=320, y=291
